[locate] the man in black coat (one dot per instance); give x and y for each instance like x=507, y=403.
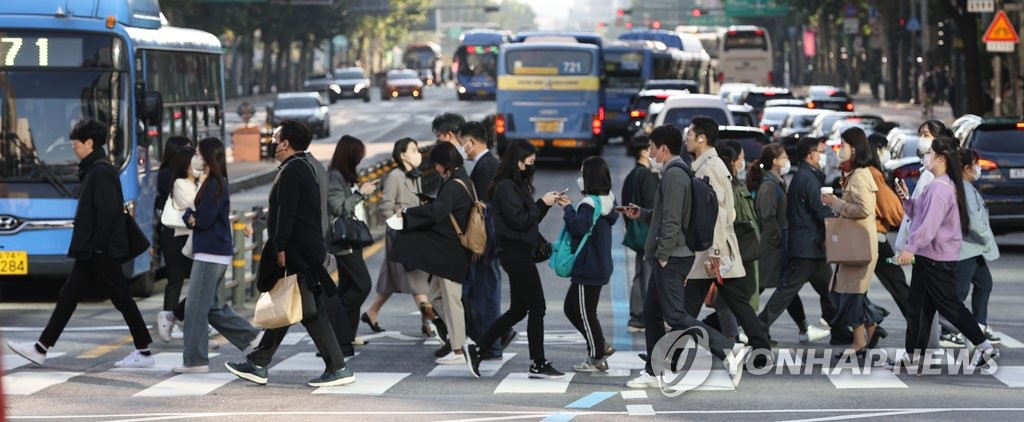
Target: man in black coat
x=296, y=245
x=99, y=244
x=482, y=289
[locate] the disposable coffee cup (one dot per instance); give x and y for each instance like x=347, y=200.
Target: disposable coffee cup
x=827, y=191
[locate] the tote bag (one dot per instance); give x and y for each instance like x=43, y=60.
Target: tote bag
x=846, y=242
x=281, y=306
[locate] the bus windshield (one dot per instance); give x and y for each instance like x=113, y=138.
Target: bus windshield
x=549, y=62
x=624, y=69
x=420, y=58
x=477, y=60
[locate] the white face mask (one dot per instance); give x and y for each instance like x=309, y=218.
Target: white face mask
x=845, y=154
x=461, y=150
x=655, y=165
x=822, y=161
x=468, y=164
x=786, y=168
x=924, y=144
x=977, y=170
x=884, y=156
x=741, y=174
x=579, y=182
x=197, y=165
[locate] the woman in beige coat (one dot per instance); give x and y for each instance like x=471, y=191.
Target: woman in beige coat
x=851, y=282
x=399, y=191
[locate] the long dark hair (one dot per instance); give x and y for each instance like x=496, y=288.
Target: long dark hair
x=212, y=151
x=396, y=153
x=862, y=150
x=182, y=162
x=172, y=148
x=348, y=152
x=597, y=180
x=760, y=166
x=517, y=150
x=947, y=147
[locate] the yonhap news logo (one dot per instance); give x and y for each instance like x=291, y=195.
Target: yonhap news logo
x=681, y=361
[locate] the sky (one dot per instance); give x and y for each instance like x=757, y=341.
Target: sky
x=550, y=11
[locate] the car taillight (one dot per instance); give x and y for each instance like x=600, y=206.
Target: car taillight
x=907, y=172
x=810, y=104
x=499, y=124
x=849, y=106
x=636, y=114
x=766, y=128
x=595, y=124
x=1020, y=125
x=721, y=77
x=987, y=165
x=600, y=113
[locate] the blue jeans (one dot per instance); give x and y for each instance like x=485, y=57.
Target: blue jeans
x=483, y=291
x=203, y=307
x=974, y=271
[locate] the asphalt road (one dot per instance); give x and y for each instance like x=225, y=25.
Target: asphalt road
x=398, y=380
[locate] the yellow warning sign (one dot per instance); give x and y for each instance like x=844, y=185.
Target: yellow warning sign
x=1001, y=30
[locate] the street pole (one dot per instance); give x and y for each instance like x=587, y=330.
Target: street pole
x=997, y=77
x=925, y=34
x=1020, y=66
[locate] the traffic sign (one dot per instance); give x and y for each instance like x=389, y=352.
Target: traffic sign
x=1001, y=30
x=981, y=6
x=850, y=10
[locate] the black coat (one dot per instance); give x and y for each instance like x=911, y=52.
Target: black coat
x=99, y=218
x=294, y=226
x=483, y=173
x=428, y=240
x=806, y=214
x=516, y=216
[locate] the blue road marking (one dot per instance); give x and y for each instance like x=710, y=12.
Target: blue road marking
x=622, y=339
x=560, y=417
x=591, y=400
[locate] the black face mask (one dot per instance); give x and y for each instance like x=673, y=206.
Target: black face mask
x=530, y=168
x=414, y=173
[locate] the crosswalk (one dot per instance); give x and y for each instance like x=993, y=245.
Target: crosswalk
x=22, y=378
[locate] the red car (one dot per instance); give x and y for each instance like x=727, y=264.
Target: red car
x=399, y=83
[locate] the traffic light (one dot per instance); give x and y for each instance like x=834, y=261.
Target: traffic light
x=696, y=12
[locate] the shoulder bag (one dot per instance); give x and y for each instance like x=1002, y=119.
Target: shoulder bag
x=563, y=257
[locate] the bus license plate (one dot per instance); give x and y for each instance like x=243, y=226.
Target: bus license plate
x=1017, y=173
x=549, y=126
x=13, y=263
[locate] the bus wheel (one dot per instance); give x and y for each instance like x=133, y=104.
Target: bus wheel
x=143, y=285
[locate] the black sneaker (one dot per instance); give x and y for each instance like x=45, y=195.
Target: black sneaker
x=508, y=338
x=983, y=359
x=545, y=371
x=342, y=376
x=487, y=355
x=443, y=351
x=248, y=371
x=608, y=351
x=472, y=354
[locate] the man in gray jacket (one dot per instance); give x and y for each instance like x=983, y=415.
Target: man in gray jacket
x=666, y=249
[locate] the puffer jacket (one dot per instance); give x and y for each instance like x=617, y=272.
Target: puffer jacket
x=593, y=266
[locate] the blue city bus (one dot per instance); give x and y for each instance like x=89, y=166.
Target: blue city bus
x=549, y=92
x=112, y=61
x=696, y=61
x=475, y=64
x=627, y=65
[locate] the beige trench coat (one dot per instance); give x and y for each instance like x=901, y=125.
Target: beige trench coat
x=725, y=243
x=858, y=203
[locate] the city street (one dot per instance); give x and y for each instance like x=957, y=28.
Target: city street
x=397, y=378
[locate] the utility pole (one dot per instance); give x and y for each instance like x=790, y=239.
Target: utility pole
x=997, y=77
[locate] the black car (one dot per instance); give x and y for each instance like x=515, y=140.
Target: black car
x=756, y=97
x=1000, y=143
x=319, y=82
x=350, y=82
x=673, y=84
x=641, y=104
x=751, y=138
x=306, y=107
x=828, y=98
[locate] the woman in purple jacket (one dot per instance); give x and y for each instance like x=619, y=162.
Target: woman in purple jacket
x=939, y=221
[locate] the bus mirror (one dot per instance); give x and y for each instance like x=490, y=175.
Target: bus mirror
x=152, y=107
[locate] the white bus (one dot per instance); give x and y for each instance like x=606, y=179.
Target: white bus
x=745, y=55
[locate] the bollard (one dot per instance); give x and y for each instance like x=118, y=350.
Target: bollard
x=259, y=223
x=238, y=260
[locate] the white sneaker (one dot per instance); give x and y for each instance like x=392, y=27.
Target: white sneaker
x=254, y=343
x=645, y=380
x=213, y=345
x=451, y=359
x=824, y=324
x=198, y=369
x=176, y=332
x=902, y=358
x=213, y=331
x=164, y=322
x=814, y=334
x=136, y=359
x=28, y=351
x=736, y=372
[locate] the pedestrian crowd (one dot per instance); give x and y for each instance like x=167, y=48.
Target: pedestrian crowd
x=706, y=229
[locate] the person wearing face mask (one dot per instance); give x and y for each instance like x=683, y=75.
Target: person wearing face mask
x=399, y=191
x=888, y=215
x=805, y=262
x=445, y=128
x=176, y=183
x=639, y=188
x=766, y=178
x=851, y=282
x=516, y=219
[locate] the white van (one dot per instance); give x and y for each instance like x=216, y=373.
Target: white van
x=681, y=108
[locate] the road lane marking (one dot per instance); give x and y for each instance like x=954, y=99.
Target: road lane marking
x=633, y=394
x=640, y=410
x=519, y=383
x=305, y=362
x=103, y=349
x=1007, y=341
x=876, y=378
x=591, y=400
x=12, y=361
x=367, y=384
x=188, y=385
x=29, y=382
x=560, y=417
x=1012, y=376
x=165, y=361
x=373, y=249
x=488, y=368
x=70, y=330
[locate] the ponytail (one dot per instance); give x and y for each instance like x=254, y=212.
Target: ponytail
x=755, y=174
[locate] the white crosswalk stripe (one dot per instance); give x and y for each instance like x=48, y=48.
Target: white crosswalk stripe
x=12, y=361
x=367, y=384
x=519, y=382
x=31, y=382
x=188, y=385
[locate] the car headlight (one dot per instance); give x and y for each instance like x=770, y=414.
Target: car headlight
x=358, y=87
x=335, y=88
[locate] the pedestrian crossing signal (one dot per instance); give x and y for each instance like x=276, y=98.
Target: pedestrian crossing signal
x=1001, y=30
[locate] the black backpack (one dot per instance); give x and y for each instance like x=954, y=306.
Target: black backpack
x=700, y=230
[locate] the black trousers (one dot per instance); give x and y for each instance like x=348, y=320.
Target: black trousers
x=974, y=272
x=96, y=274
x=796, y=311
x=815, y=271
x=316, y=324
x=933, y=288
x=581, y=310
x=354, y=285
x=527, y=296
x=736, y=292
x=666, y=302
x=892, y=277
x=178, y=266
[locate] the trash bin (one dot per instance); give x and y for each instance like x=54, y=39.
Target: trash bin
x=246, y=144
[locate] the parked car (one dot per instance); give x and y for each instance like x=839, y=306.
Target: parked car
x=680, y=109
x=404, y=82
x=307, y=107
x=350, y=82
x=1000, y=143
x=673, y=84
x=751, y=138
x=319, y=82
x=743, y=115
x=641, y=104
x=828, y=98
